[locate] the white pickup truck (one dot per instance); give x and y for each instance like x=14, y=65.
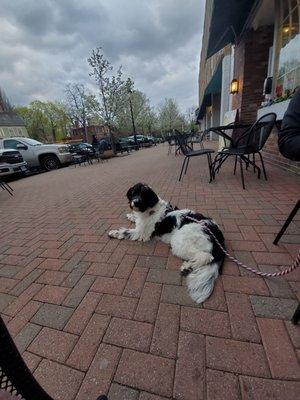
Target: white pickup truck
x=37, y=154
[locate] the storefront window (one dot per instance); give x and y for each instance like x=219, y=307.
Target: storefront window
x=288, y=54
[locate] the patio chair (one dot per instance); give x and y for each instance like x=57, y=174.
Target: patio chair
x=79, y=159
x=15, y=376
x=188, y=152
x=171, y=143
x=249, y=142
x=7, y=187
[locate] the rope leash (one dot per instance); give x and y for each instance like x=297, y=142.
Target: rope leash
x=295, y=264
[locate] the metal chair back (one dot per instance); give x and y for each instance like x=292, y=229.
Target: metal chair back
x=254, y=139
x=181, y=140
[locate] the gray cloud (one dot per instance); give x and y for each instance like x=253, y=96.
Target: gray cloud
x=45, y=44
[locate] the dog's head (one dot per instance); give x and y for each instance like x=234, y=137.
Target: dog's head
x=141, y=197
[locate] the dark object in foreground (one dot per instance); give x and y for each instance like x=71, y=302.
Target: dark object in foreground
x=289, y=135
x=296, y=316
x=287, y=222
x=15, y=376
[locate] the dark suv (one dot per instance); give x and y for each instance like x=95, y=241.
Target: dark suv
x=83, y=149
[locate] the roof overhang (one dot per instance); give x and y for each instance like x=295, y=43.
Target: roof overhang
x=214, y=87
x=227, y=22
x=10, y=119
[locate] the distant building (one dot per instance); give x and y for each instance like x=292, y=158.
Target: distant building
x=256, y=44
x=100, y=131
x=12, y=125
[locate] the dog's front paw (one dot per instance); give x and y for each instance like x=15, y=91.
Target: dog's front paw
x=113, y=234
x=130, y=217
x=122, y=233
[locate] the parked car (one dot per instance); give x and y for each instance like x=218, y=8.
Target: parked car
x=142, y=140
x=125, y=144
x=81, y=149
x=11, y=163
x=152, y=139
x=37, y=154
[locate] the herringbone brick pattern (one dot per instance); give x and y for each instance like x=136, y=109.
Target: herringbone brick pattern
x=93, y=315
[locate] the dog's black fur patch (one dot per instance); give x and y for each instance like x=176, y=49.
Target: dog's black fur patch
x=165, y=226
x=217, y=253
x=197, y=216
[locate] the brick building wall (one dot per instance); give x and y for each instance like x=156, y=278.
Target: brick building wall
x=250, y=68
x=257, y=44
x=273, y=156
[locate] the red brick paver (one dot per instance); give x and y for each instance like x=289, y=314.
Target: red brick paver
x=92, y=315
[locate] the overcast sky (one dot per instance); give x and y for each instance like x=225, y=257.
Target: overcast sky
x=44, y=44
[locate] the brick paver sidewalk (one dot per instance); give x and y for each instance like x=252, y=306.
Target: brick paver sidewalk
x=93, y=315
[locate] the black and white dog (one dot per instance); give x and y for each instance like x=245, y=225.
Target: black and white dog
x=190, y=241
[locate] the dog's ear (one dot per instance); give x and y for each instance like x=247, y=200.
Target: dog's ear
x=150, y=196
x=129, y=193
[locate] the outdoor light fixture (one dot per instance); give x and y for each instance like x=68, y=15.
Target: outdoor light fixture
x=234, y=86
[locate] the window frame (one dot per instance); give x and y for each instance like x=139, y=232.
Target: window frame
x=279, y=21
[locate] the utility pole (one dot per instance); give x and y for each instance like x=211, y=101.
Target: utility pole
x=132, y=119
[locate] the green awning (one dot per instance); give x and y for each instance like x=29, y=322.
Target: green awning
x=213, y=87
x=227, y=21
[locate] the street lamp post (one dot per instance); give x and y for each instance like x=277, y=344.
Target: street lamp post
x=132, y=119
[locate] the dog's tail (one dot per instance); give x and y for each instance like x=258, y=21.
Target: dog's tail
x=201, y=282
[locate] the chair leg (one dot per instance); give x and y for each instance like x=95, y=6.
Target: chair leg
x=248, y=161
x=209, y=167
x=263, y=165
x=214, y=167
x=287, y=222
x=235, y=165
x=253, y=159
x=187, y=164
x=7, y=187
x=217, y=169
x=242, y=172
x=183, y=164
x=224, y=158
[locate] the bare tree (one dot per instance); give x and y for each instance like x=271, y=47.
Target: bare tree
x=111, y=88
x=80, y=104
x=191, y=119
x=144, y=117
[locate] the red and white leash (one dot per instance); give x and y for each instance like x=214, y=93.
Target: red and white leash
x=295, y=264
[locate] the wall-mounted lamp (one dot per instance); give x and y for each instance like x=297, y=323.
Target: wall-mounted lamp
x=234, y=86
